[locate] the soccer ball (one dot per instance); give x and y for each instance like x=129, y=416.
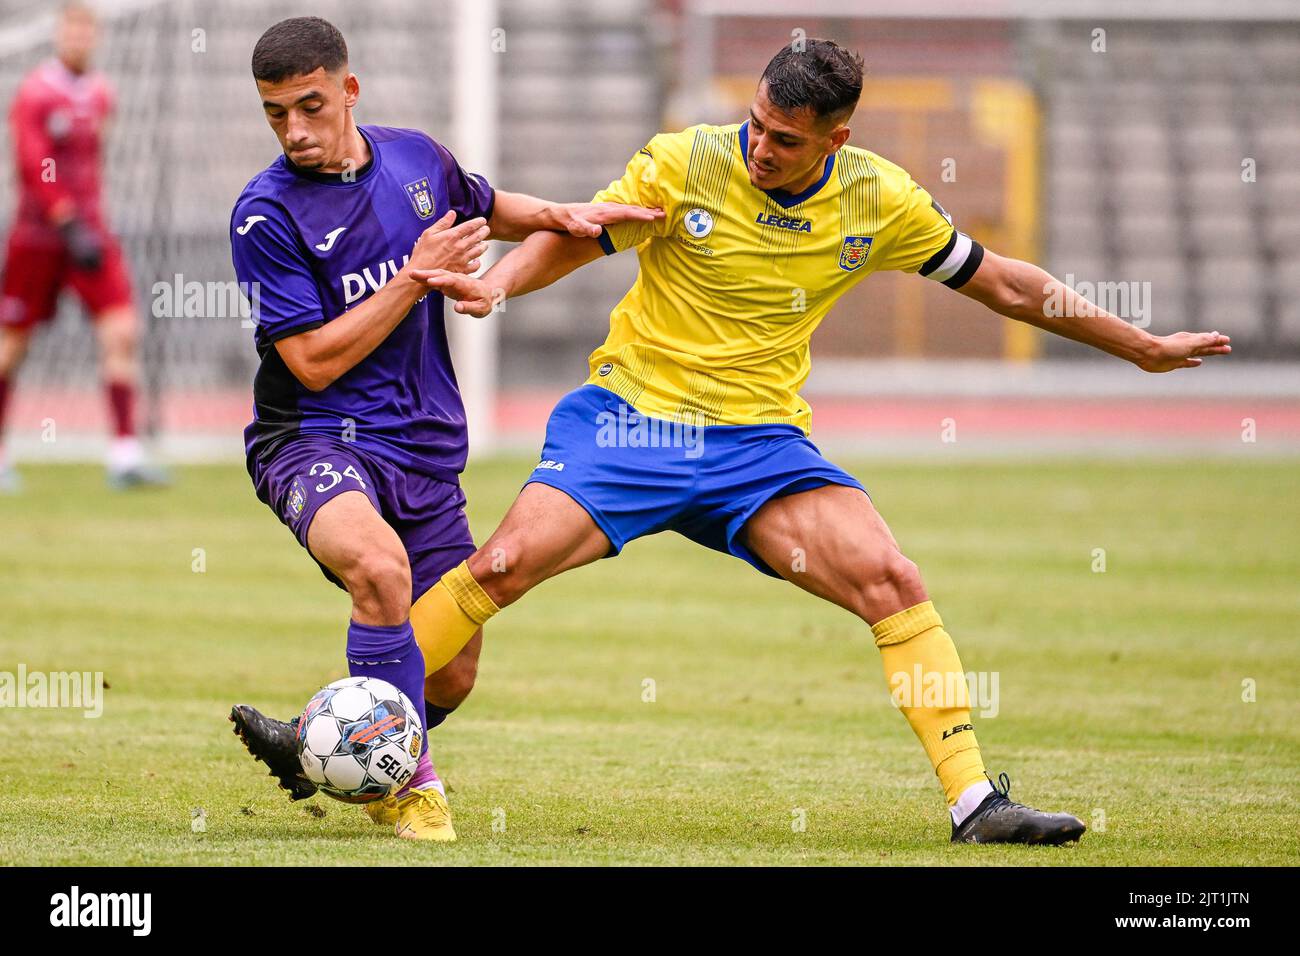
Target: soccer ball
x=359, y=739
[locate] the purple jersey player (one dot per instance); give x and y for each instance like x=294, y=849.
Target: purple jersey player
x=358, y=435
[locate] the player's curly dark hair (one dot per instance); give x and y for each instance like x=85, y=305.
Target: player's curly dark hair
x=819, y=75
x=296, y=47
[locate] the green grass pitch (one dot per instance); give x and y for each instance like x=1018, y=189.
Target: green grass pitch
x=1121, y=692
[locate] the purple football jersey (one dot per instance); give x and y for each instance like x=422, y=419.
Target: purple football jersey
x=317, y=245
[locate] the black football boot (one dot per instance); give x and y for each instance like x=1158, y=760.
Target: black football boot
x=275, y=743
x=999, y=819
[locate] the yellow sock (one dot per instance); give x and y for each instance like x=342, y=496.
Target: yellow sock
x=926, y=678
x=448, y=614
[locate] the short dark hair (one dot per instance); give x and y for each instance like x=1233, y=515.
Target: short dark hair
x=819, y=75
x=296, y=47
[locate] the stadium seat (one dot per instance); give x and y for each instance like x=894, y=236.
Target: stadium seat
x=1240, y=315
x=1214, y=233
x=1288, y=322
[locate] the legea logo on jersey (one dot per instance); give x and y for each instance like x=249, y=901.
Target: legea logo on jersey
x=784, y=222
x=421, y=197
x=854, y=252
x=698, y=222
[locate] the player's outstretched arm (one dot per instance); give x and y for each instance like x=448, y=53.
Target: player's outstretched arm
x=541, y=259
x=1023, y=291
x=318, y=357
x=516, y=216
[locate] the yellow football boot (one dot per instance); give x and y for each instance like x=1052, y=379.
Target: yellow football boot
x=424, y=815
x=383, y=811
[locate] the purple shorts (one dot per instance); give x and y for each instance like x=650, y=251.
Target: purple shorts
x=428, y=514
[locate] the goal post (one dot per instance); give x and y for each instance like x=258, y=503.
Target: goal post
x=475, y=130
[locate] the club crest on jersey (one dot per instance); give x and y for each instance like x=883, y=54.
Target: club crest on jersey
x=421, y=197
x=698, y=222
x=854, y=252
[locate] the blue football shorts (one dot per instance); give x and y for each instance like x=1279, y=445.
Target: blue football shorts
x=638, y=475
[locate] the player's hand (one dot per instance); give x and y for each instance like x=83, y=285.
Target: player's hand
x=1182, y=350
x=472, y=296
x=585, y=219
x=453, y=248
x=85, y=245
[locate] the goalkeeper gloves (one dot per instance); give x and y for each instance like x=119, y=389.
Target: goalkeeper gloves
x=84, y=244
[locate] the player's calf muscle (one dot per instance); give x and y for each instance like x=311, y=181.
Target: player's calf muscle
x=118, y=335
x=450, y=685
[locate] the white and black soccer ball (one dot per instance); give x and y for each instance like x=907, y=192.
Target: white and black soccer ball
x=359, y=739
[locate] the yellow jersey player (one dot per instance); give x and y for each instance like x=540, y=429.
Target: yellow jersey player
x=691, y=419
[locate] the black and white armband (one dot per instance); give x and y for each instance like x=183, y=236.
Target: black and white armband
x=956, y=262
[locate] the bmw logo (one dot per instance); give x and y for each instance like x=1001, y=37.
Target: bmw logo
x=699, y=223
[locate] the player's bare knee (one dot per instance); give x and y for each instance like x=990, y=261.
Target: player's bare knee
x=380, y=584
x=121, y=343
x=499, y=572
x=13, y=349
x=481, y=565
x=890, y=583
x=119, y=336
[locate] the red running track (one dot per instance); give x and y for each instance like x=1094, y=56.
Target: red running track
x=521, y=415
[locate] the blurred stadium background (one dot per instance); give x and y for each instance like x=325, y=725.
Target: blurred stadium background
x=1138, y=143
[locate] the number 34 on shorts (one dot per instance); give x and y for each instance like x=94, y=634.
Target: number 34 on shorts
x=330, y=477
x=323, y=479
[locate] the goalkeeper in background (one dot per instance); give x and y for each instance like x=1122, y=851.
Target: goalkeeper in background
x=60, y=238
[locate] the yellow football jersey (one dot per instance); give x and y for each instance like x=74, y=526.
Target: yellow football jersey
x=735, y=279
